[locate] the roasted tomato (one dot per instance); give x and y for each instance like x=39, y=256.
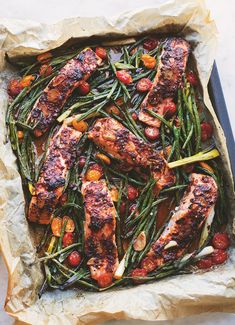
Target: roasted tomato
x=206, y=131
x=74, y=259
x=192, y=79
x=169, y=108
x=124, y=77
x=151, y=133
x=134, y=116
x=220, y=241
x=132, y=193
x=143, y=85
x=14, y=87
x=150, y=44
x=20, y=135
x=83, y=88
x=68, y=239
x=27, y=80
x=81, y=126
x=148, y=61
x=45, y=70
x=138, y=273
x=101, y=52
x=219, y=256
x=44, y=57
x=94, y=172
x=205, y=263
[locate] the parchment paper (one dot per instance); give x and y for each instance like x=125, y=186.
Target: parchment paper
x=170, y=298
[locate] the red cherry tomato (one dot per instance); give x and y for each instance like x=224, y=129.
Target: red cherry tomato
x=219, y=256
x=105, y=280
x=134, y=116
x=150, y=44
x=169, y=107
x=148, y=264
x=74, y=259
x=143, y=85
x=151, y=133
x=83, y=88
x=221, y=241
x=192, y=79
x=132, y=193
x=45, y=70
x=14, y=87
x=206, y=131
x=68, y=239
x=81, y=161
x=205, y=263
x=138, y=273
x=101, y=52
x=124, y=77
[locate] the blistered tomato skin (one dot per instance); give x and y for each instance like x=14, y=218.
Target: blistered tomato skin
x=150, y=44
x=124, y=77
x=132, y=193
x=68, y=239
x=136, y=273
x=144, y=85
x=151, y=133
x=74, y=259
x=14, y=87
x=84, y=88
x=206, y=131
x=45, y=70
x=101, y=52
x=221, y=241
x=169, y=108
x=219, y=256
x=205, y=263
x=192, y=79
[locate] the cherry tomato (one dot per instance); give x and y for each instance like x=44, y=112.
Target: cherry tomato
x=27, y=80
x=105, y=280
x=81, y=161
x=74, y=259
x=205, y=263
x=84, y=88
x=148, y=61
x=94, y=173
x=134, y=116
x=151, y=133
x=221, y=241
x=143, y=85
x=14, y=87
x=138, y=273
x=56, y=225
x=169, y=108
x=192, y=79
x=124, y=77
x=206, y=131
x=70, y=226
x=101, y=52
x=68, y=239
x=150, y=44
x=20, y=135
x=45, y=70
x=148, y=264
x=219, y=256
x=132, y=193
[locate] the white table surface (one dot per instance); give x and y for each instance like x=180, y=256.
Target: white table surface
x=54, y=10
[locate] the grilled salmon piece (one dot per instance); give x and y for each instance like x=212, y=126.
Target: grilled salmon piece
x=120, y=143
x=172, y=64
x=196, y=205
x=48, y=106
x=59, y=159
x=100, y=225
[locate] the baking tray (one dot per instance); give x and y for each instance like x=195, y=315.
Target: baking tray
x=218, y=101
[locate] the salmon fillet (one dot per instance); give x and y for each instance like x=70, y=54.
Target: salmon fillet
x=196, y=205
x=172, y=65
x=48, y=106
x=59, y=159
x=121, y=144
x=100, y=225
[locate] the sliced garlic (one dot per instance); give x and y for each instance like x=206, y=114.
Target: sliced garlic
x=205, y=251
x=140, y=242
x=172, y=243
x=121, y=268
